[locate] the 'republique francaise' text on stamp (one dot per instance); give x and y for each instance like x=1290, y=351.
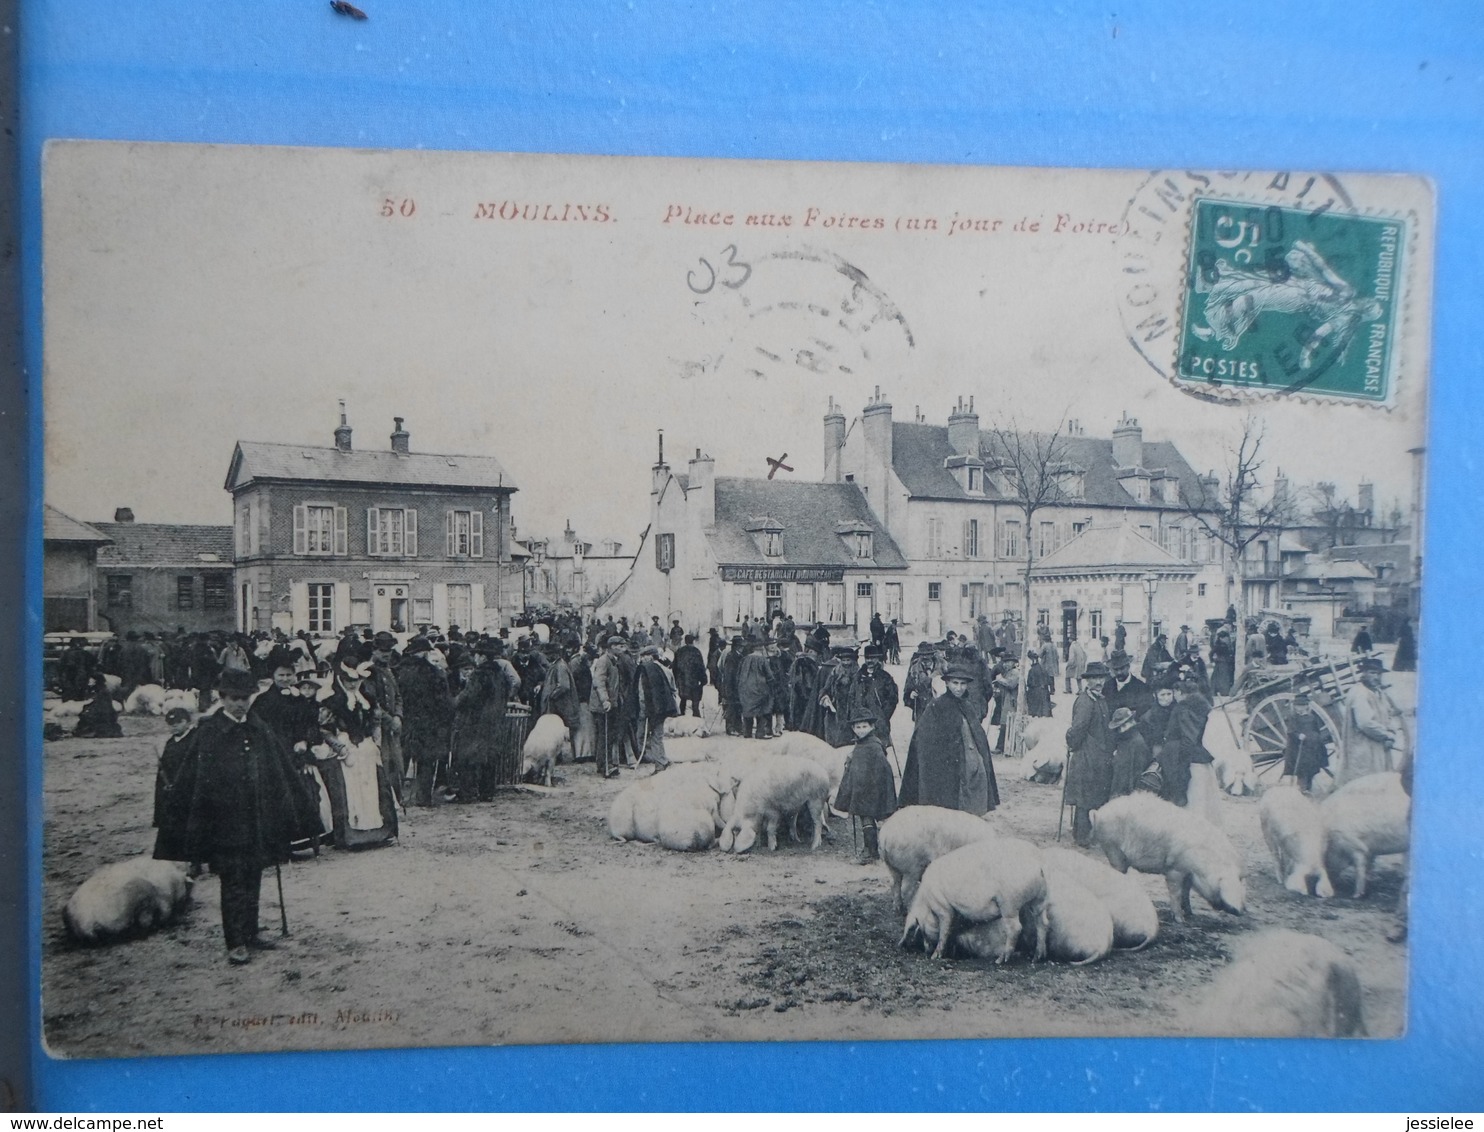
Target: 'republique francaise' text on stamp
x=1291, y=300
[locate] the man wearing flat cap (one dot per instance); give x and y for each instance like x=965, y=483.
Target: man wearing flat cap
x=1372, y=726
x=948, y=761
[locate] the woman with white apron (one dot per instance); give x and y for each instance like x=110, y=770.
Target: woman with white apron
x=349, y=759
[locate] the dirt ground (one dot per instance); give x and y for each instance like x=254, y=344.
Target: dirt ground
x=521, y=921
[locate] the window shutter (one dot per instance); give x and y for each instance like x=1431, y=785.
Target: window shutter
x=373, y=544
x=966, y=544
x=299, y=605
x=448, y=547
x=476, y=606
x=340, y=613
x=440, y=604
x=342, y=525
x=410, y=536
x=476, y=534
x=301, y=529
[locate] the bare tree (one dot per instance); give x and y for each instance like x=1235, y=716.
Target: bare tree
x=1231, y=509
x=1031, y=470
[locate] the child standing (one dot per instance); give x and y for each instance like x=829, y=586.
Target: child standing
x=868, y=791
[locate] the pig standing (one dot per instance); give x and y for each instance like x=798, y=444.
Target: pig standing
x=771, y=794
x=548, y=740
x=1285, y=984
x=986, y=880
x=1294, y=831
x=1135, y=922
x=1363, y=819
x=1079, y=927
x=915, y=836
x=127, y=898
x=1153, y=836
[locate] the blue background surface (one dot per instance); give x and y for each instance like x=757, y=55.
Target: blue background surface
x=1335, y=86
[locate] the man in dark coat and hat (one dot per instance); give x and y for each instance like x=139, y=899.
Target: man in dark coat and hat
x=837, y=695
x=387, y=697
x=74, y=667
x=948, y=761
x=427, y=716
x=917, y=692
x=755, y=692
x=690, y=675
x=727, y=667
x=1122, y=688
x=656, y=704
x=875, y=692
x=1089, y=780
x=479, y=722
x=243, y=812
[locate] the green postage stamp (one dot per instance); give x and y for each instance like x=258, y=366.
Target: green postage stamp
x=1292, y=300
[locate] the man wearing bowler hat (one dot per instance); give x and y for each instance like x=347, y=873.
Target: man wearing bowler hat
x=1089, y=780
x=1122, y=688
x=948, y=762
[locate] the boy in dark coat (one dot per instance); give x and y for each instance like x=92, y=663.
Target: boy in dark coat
x=1131, y=754
x=1306, y=752
x=948, y=762
x=176, y=773
x=867, y=790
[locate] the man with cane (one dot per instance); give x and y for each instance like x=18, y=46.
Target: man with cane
x=1087, y=784
x=240, y=810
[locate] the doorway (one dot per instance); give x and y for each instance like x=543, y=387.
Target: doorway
x=389, y=609
x=864, y=607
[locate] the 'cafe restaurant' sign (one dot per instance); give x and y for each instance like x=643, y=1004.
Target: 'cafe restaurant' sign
x=782, y=574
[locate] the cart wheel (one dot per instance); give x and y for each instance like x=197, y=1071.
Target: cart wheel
x=1265, y=734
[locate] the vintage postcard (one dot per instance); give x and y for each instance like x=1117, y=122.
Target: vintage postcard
x=521, y=599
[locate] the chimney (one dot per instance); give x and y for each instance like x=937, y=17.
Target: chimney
x=703, y=489
x=876, y=419
x=963, y=429
x=834, y=441
x=123, y=515
x=1128, y=443
x=661, y=470
x=1280, y=487
x=1210, y=489
x=342, y=434
x=1365, y=499
x=400, y=438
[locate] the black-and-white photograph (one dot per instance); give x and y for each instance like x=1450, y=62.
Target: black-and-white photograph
x=503, y=599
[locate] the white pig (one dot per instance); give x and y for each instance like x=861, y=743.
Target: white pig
x=676, y=809
x=547, y=741
x=986, y=880
x=1151, y=835
x=127, y=898
x=1285, y=984
x=1135, y=922
x=1079, y=927
x=1364, y=819
x=770, y=795
x=147, y=699
x=1294, y=831
x=915, y=836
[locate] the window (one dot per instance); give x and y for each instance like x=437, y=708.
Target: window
x=976, y=479
x=1095, y=622
x=803, y=608
x=464, y=535
x=1147, y=531
x=1043, y=617
x=460, y=604
x=121, y=591
x=321, y=607
x=834, y=603
x=215, y=592
x=422, y=610
x=664, y=552
x=935, y=538
x=892, y=592
x=1078, y=528
x=775, y=593
x=862, y=589
x=1070, y=484
x=971, y=537
x=972, y=601
x=935, y=591
x=1156, y=491
x=1010, y=547
x=1046, y=538
x=862, y=544
x=1200, y=589
x=185, y=591
x=391, y=532
x=319, y=528
x=773, y=544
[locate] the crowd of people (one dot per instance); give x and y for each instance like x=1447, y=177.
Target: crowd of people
x=293, y=743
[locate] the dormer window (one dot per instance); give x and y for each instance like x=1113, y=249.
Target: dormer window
x=858, y=538
x=773, y=544
x=767, y=534
x=968, y=471
x=976, y=480
x=863, y=544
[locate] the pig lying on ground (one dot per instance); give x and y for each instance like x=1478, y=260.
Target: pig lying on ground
x=983, y=881
x=1294, y=831
x=1135, y=922
x=147, y=699
x=914, y=837
x=676, y=809
x=1364, y=819
x=680, y=725
x=1079, y=926
x=771, y=794
x=545, y=744
x=1285, y=984
x=1150, y=835
x=127, y=898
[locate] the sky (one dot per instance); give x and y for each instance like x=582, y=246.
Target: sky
x=556, y=312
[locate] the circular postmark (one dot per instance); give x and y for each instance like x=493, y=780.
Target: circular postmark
x=790, y=312
x=1236, y=286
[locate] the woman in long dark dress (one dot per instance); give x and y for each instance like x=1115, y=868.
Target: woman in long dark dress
x=1038, y=687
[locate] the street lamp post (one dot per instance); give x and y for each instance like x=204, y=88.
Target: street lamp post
x=1151, y=583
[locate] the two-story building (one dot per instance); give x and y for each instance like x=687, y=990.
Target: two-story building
x=719, y=549
x=948, y=497
x=392, y=539
x=569, y=572
x=160, y=577
x=69, y=569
